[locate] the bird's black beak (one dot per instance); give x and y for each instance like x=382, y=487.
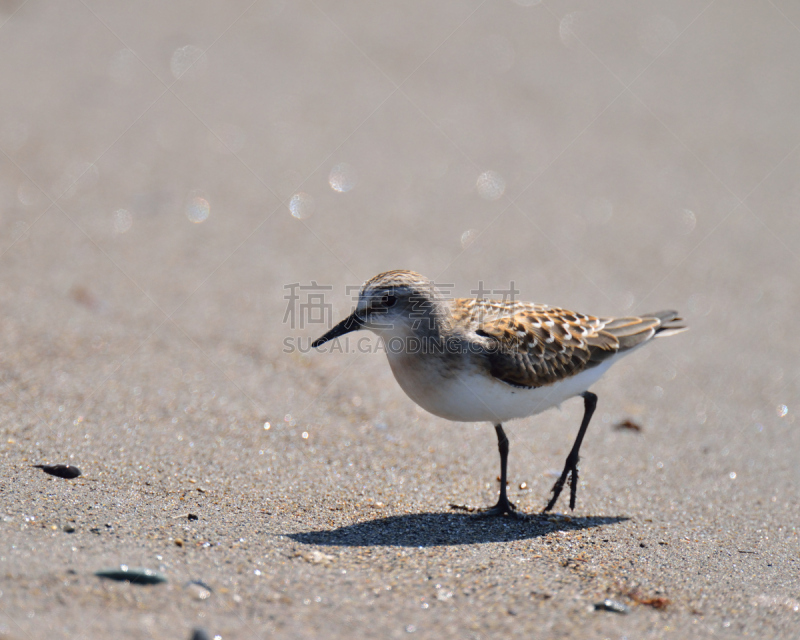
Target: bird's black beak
x=350, y=323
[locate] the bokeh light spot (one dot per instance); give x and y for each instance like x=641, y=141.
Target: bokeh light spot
x=189, y=58
x=468, y=237
x=123, y=220
x=566, y=29
x=342, y=177
x=28, y=194
x=688, y=221
x=301, y=205
x=491, y=185
x=198, y=209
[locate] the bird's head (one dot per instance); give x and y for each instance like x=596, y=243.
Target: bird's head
x=392, y=304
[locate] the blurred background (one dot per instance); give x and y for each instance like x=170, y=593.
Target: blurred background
x=167, y=169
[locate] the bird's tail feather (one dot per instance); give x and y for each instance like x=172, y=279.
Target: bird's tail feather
x=670, y=323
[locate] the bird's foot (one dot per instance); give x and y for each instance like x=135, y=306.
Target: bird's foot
x=503, y=508
x=571, y=471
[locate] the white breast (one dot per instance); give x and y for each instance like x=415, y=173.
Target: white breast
x=472, y=396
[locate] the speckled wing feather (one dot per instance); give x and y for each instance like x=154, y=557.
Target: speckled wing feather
x=532, y=345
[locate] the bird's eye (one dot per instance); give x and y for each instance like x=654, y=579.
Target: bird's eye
x=388, y=301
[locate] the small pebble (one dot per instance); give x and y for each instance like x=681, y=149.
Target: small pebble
x=315, y=557
x=192, y=516
x=611, y=605
x=198, y=590
x=60, y=470
x=178, y=542
x=134, y=576
x=68, y=528
x=199, y=634
x=657, y=602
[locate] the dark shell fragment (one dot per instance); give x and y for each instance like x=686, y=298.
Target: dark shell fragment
x=630, y=425
x=60, y=470
x=615, y=606
x=132, y=575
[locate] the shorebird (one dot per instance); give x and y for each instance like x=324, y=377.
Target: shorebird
x=476, y=360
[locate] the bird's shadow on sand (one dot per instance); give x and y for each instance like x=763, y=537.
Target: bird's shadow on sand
x=444, y=529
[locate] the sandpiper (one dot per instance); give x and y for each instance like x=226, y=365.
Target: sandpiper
x=475, y=360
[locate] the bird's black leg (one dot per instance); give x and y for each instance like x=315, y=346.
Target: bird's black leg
x=571, y=466
x=503, y=505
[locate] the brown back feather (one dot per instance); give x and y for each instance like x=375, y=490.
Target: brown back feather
x=531, y=345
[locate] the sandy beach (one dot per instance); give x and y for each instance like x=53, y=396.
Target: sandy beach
x=192, y=192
